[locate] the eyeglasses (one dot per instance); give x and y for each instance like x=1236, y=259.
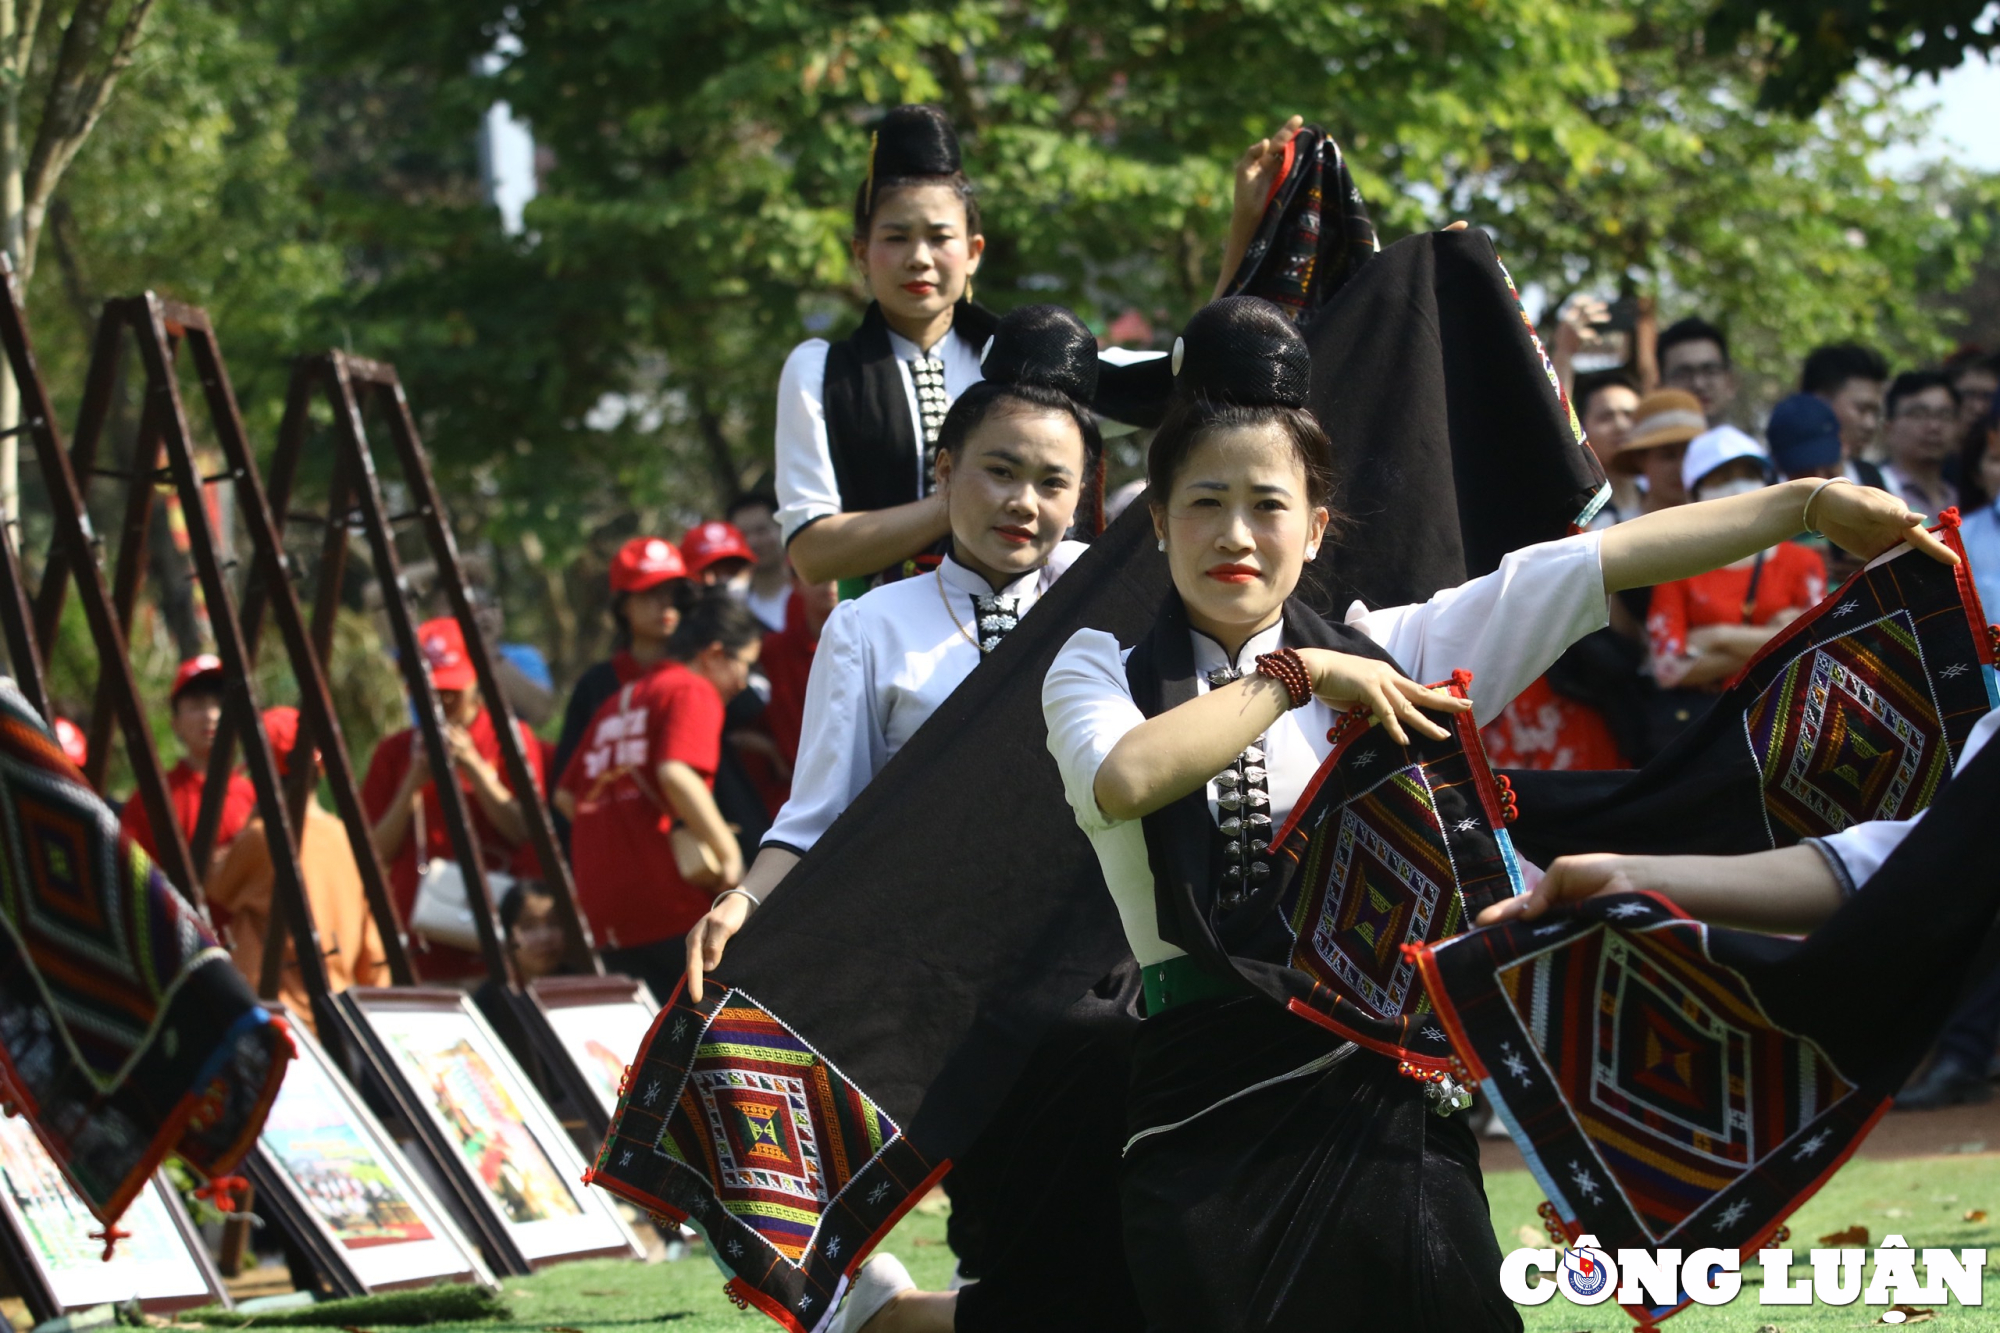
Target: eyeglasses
x=1941, y=416
x=1707, y=370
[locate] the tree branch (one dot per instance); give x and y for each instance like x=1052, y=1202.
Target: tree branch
x=75, y=101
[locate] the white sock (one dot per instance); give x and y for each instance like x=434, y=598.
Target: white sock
x=880, y=1281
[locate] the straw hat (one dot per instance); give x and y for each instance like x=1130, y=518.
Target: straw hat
x=1665, y=416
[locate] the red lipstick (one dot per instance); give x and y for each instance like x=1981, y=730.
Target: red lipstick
x=1019, y=536
x=1231, y=573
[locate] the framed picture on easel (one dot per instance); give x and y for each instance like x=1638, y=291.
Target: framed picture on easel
x=332, y=1177
x=592, y=1028
x=45, y=1233
x=486, y=1127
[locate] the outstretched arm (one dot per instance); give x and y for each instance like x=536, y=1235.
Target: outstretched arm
x=1691, y=539
x=1787, y=891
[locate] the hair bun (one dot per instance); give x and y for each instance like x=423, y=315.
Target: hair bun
x=1045, y=345
x=914, y=140
x=1242, y=350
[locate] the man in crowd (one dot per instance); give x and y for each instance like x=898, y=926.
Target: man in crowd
x=196, y=701
x=1923, y=432
x=1607, y=403
x=1850, y=379
x=755, y=515
x=1694, y=357
x=349, y=942
x=1975, y=377
x=1807, y=437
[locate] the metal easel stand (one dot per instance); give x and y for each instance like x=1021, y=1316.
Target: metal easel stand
x=75, y=551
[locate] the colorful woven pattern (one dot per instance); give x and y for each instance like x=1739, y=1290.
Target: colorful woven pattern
x=1315, y=231
x=1396, y=847
x=125, y=1033
x=1654, y=1101
x=732, y=1122
x=1859, y=711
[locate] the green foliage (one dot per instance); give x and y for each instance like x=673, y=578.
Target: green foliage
x=1812, y=44
x=308, y=169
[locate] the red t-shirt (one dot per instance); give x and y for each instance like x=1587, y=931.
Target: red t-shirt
x=1543, y=729
x=1794, y=578
x=626, y=877
x=386, y=768
x=184, y=788
x=786, y=660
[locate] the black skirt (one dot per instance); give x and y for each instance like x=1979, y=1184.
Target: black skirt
x=1034, y=1204
x=1256, y=1197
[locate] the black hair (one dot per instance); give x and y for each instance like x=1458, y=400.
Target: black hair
x=911, y=146
x=761, y=498
x=715, y=617
x=1588, y=386
x=1913, y=382
x=515, y=901
x=208, y=685
x=1693, y=329
x=1240, y=363
x=1828, y=368
x=1972, y=495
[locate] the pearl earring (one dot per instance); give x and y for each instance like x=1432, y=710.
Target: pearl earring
x=1312, y=552
x=1163, y=543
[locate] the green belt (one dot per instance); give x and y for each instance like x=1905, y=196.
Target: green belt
x=1179, y=980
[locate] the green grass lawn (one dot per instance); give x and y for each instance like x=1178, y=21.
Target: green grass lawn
x=1922, y=1199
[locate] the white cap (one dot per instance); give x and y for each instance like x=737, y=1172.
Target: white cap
x=1712, y=448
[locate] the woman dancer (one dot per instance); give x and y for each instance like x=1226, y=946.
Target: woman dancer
x=859, y=420
x=1275, y=1177
x=1017, y=462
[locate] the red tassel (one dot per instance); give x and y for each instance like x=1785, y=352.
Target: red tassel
x=111, y=1235
x=1552, y=1223
x=1949, y=518
x=225, y=1192
x=624, y=1080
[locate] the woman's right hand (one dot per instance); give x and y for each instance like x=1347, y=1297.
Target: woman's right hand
x=710, y=936
x=1346, y=682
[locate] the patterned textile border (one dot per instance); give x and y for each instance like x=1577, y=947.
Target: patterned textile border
x=732, y=1122
x=125, y=1032
x=1653, y=1100
x=1390, y=856
x=1850, y=703
x=1603, y=495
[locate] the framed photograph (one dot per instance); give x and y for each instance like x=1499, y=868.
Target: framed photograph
x=591, y=1029
x=45, y=1231
x=487, y=1128
x=328, y=1173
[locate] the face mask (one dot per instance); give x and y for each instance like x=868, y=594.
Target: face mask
x=1724, y=489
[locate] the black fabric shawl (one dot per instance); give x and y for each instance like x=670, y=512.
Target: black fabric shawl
x=1250, y=942
x=954, y=911
x=868, y=427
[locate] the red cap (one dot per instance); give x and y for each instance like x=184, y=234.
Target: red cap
x=74, y=744
x=443, y=644
x=715, y=540
x=645, y=561
x=192, y=670
x=281, y=725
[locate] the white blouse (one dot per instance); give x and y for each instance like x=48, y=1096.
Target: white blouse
x=807, y=488
x=885, y=661
x=1861, y=849
x=1506, y=627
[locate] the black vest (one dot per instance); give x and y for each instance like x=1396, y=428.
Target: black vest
x=877, y=457
x=1182, y=843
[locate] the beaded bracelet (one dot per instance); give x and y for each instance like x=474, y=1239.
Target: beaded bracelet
x=1289, y=669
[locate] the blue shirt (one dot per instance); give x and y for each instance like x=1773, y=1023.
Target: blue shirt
x=1981, y=534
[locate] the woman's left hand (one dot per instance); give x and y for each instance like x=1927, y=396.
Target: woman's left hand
x=1347, y=682
x=1867, y=522
x=1255, y=171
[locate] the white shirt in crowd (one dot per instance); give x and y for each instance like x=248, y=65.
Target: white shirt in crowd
x=770, y=611
x=1506, y=628
x=885, y=661
x=807, y=488
x=1859, y=851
